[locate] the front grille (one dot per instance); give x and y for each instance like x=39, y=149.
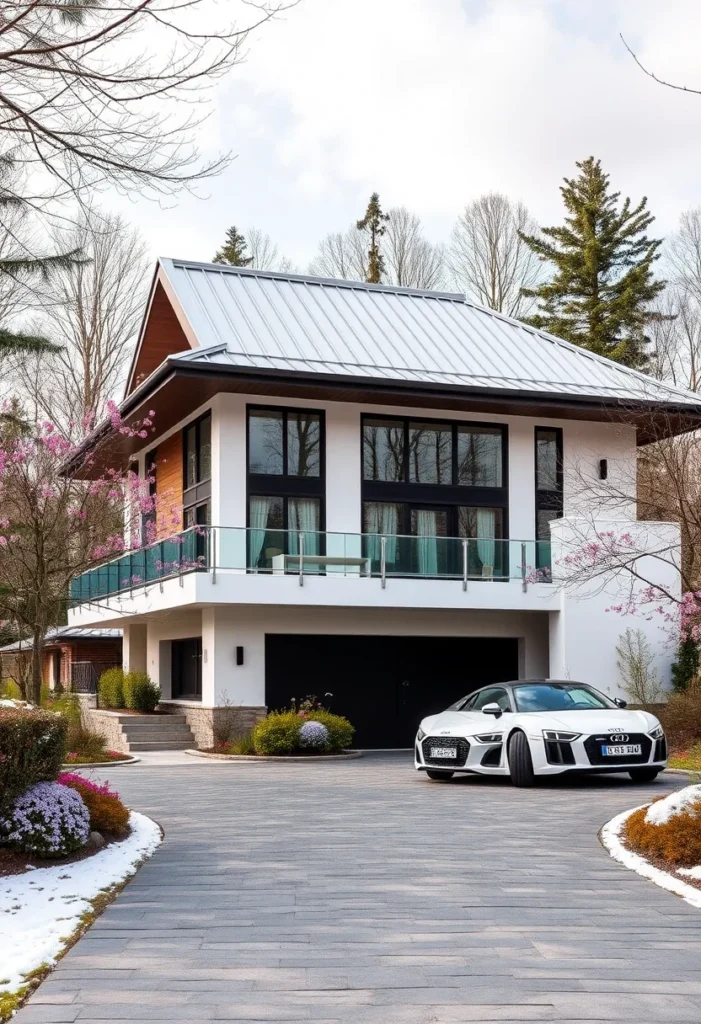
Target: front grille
x=593, y=745
x=661, y=749
x=463, y=748
x=559, y=752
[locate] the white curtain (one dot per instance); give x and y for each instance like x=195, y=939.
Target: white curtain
x=303, y=516
x=426, y=542
x=382, y=520
x=486, y=529
x=259, y=523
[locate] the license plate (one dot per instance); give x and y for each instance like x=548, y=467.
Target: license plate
x=444, y=752
x=622, y=750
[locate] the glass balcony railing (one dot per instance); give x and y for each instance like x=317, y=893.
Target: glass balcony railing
x=311, y=553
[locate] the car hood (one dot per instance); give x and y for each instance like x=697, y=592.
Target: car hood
x=461, y=723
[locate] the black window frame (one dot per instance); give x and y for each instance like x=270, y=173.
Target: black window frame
x=549, y=501
x=282, y=485
x=201, y=491
x=449, y=496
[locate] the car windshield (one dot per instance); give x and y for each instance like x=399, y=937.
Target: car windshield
x=559, y=697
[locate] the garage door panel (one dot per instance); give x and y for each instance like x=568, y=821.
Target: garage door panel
x=384, y=684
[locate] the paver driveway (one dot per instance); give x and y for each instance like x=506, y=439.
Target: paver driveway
x=360, y=892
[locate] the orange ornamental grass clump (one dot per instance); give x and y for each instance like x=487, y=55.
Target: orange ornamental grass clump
x=669, y=829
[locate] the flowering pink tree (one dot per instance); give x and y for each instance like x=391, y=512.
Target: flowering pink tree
x=633, y=565
x=53, y=527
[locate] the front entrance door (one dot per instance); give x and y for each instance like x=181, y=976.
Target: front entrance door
x=186, y=668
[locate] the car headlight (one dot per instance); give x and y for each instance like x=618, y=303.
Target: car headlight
x=560, y=737
x=657, y=733
x=420, y=734
x=490, y=737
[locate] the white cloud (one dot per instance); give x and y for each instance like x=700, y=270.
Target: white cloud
x=432, y=102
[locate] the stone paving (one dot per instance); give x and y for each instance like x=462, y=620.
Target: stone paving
x=360, y=892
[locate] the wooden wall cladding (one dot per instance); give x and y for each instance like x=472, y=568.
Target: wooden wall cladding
x=163, y=336
x=169, y=486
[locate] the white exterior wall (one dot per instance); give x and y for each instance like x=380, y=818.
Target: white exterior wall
x=585, y=632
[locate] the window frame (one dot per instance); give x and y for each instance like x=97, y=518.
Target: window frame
x=282, y=485
x=442, y=496
x=548, y=501
x=200, y=492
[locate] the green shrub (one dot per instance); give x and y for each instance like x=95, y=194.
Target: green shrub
x=339, y=728
x=86, y=743
x=110, y=688
x=278, y=733
x=32, y=749
x=241, y=745
x=140, y=693
x=10, y=690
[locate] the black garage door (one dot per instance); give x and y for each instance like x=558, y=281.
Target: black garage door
x=384, y=684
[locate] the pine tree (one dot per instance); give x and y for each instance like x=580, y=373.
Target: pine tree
x=602, y=286
x=234, y=250
x=374, y=223
x=18, y=266
x=686, y=666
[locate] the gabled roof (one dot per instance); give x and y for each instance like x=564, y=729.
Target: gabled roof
x=252, y=319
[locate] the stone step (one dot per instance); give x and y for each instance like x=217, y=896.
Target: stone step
x=161, y=745
x=159, y=736
x=151, y=721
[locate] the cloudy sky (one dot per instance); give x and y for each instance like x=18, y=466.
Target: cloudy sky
x=433, y=102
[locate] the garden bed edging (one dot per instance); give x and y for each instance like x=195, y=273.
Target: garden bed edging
x=610, y=836
x=349, y=756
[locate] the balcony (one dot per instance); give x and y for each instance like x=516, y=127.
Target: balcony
x=238, y=550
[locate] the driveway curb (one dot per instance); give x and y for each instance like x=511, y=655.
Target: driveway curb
x=254, y=758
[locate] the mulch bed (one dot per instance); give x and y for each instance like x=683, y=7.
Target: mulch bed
x=100, y=759
x=659, y=863
x=13, y=863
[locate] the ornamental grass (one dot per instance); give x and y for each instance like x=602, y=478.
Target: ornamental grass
x=676, y=840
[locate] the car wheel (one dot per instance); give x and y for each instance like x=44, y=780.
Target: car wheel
x=520, y=760
x=644, y=774
x=440, y=776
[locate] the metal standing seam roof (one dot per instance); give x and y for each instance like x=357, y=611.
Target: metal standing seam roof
x=255, y=319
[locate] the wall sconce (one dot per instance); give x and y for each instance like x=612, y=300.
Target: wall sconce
x=239, y=655
x=603, y=469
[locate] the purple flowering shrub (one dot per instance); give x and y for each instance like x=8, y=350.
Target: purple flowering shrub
x=314, y=734
x=48, y=820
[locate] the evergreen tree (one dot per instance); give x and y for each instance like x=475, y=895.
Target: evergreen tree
x=686, y=666
x=374, y=223
x=234, y=250
x=18, y=264
x=602, y=286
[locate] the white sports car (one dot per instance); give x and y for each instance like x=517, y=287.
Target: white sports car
x=539, y=727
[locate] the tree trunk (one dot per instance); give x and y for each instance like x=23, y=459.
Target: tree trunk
x=35, y=682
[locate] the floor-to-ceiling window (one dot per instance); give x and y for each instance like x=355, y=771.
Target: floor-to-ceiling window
x=197, y=487
x=426, y=483
x=548, y=488
x=285, y=483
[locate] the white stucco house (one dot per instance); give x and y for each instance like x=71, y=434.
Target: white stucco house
x=372, y=486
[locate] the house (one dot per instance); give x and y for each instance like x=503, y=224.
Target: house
x=74, y=657
x=369, y=486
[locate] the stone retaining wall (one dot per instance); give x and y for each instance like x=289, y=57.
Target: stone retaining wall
x=211, y=726
x=106, y=723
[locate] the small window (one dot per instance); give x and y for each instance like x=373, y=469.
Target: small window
x=303, y=444
x=480, y=456
x=547, y=454
x=205, y=448
x=265, y=442
x=430, y=453
x=198, y=451
x=383, y=450
x=191, y=456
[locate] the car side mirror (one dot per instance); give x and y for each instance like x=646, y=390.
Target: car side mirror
x=620, y=703
x=492, y=709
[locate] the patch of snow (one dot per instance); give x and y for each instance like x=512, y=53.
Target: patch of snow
x=610, y=837
x=691, y=872
x=41, y=908
x=662, y=810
